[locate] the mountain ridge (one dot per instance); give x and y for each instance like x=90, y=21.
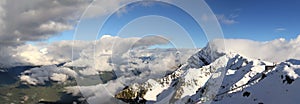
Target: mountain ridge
x=207, y=77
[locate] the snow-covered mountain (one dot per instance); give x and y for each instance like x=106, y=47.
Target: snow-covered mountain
x=211, y=76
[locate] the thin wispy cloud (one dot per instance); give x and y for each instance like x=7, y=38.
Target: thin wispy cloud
x=228, y=20
x=280, y=29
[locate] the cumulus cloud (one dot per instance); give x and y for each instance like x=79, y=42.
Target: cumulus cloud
x=59, y=77
x=42, y=54
x=37, y=20
x=31, y=55
x=43, y=74
x=112, y=48
x=66, y=51
x=277, y=50
x=28, y=80
x=34, y=20
x=54, y=26
x=153, y=62
x=99, y=94
x=133, y=64
x=24, y=55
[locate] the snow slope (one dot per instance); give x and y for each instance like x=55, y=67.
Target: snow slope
x=280, y=86
x=221, y=78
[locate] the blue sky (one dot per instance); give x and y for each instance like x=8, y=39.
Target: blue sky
x=259, y=20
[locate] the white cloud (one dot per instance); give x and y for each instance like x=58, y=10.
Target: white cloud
x=280, y=29
x=28, y=80
x=59, y=77
x=151, y=63
x=52, y=26
x=65, y=51
x=43, y=74
x=31, y=55
x=37, y=20
x=277, y=50
x=159, y=61
x=226, y=20
x=42, y=54
x=33, y=20
x=112, y=48
x=104, y=7
x=97, y=94
x=229, y=19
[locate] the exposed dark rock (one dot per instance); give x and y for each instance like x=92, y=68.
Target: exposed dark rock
x=288, y=79
x=222, y=87
x=136, y=72
x=131, y=96
x=263, y=76
x=246, y=94
x=267, y=68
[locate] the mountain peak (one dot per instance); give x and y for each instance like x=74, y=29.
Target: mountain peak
x=185, y=81
x=215, y=76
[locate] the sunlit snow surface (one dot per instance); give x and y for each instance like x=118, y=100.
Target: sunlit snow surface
x=246, y=80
